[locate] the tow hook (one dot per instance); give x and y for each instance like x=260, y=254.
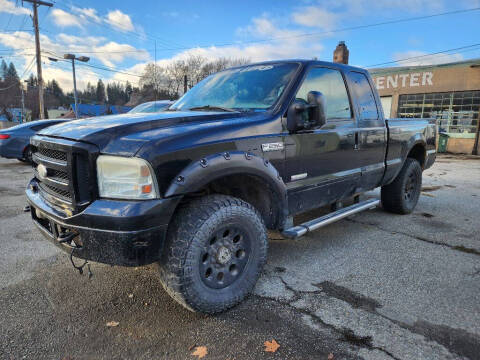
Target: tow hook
x=26, y=208
x=80, y=267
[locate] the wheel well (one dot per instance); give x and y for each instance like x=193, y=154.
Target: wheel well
x=249, y=188
x=418, y=153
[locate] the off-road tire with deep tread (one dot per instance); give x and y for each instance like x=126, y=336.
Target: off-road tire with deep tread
x=393, y=195
x=192, y=225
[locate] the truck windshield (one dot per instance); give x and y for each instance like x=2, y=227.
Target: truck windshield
x=253, y=87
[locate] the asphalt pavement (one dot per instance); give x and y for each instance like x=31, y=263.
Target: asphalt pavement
x=372, y=286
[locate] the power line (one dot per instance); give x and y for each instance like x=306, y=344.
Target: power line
x=96, y=73
x=21, y=77
x=389, y=22
x=100, y=67
x=111, y=24
x=312, y=34
x=28, y=68
x=425, y=55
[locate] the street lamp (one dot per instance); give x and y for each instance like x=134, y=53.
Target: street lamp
x=73, y=58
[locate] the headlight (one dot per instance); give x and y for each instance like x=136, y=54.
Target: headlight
x=125, y=178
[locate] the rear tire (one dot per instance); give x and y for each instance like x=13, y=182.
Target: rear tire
x=215, y=250
x=401, y=196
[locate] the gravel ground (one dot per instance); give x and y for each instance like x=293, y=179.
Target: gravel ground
x=373, y=286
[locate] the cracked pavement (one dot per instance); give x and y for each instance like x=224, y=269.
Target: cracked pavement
x=373, y=286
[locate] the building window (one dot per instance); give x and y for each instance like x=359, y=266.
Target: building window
x=456, y=112
x=387, y=106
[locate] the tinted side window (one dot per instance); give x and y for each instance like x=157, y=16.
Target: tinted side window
x=42, y=126
x=365, y=99
x=330, y=83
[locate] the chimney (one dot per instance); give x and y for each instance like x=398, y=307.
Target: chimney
x=340, y=55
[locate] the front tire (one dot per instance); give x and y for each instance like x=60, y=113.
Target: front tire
x=215, y=250
x=401, y=196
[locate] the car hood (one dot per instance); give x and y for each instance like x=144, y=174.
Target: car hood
x=120, y=134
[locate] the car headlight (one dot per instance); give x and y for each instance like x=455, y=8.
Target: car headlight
x=125, y=178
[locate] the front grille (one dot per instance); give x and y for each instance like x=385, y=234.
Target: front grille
x=65, y=175
x=57, y=181
x=52, y=190
x=52, y=154
x=58, y=175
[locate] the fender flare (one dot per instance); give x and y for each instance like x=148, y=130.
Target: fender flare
x=418, y=139
x=201, y=172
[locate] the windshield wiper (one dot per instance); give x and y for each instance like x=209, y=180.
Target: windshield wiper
x=212, y=108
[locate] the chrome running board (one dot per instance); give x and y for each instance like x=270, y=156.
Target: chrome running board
x=302, y=229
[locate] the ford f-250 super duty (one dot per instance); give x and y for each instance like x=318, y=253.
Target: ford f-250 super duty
x=195, y=188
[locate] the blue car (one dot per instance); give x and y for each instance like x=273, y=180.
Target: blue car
x=151, y=107
x=15, y=141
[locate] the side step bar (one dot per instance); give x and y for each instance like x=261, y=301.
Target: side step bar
x=302, y=229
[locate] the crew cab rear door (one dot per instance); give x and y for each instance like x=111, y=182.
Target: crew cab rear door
x=371, y=134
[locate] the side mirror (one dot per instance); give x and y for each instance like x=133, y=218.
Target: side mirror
x=317, y=108
x=297, y=118
x=302, y=115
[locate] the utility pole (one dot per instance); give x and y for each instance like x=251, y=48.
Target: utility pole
x=23, y=105
x=35, y=5
x=73, y=58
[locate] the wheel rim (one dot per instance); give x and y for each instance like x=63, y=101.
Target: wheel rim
x=224, y=257
x=410, y=187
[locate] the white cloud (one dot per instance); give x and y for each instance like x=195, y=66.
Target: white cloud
x=424, y=59
x=65, y=19
x=288, y=46
x=120, y=20
x=79, y=17
x=113, y=52
x=313, y=16
x=108, y=53
x=80, y=40
x=10, y=8
x=87, y=14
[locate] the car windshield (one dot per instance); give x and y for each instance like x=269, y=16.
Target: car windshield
x=149, y=107
x=253, y=87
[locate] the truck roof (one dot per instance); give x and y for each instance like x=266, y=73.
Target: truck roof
x=306, y=62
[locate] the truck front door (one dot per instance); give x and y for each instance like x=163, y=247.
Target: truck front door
x=319, y=167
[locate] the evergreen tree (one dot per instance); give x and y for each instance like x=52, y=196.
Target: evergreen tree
x=3, y=70
x=12, y=73
x=128, y=92
x=100, y=92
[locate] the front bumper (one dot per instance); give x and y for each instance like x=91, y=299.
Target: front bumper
x=128, y=233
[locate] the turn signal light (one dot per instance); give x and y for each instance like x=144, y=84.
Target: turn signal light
x=146, y=189
x=4, y=136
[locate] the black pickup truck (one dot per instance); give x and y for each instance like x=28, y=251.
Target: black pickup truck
x=196, y=187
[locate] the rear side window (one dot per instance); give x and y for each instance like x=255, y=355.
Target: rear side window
x=330, y=83
x=42, y=126
x=364, y=95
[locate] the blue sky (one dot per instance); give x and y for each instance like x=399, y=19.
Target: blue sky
x=121, y=34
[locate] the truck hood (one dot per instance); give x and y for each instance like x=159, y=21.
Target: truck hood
x=120, y=134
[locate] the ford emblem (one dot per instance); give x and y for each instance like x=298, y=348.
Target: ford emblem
x=42, y=172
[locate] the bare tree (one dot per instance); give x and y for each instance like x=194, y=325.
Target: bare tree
x=169, y=80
